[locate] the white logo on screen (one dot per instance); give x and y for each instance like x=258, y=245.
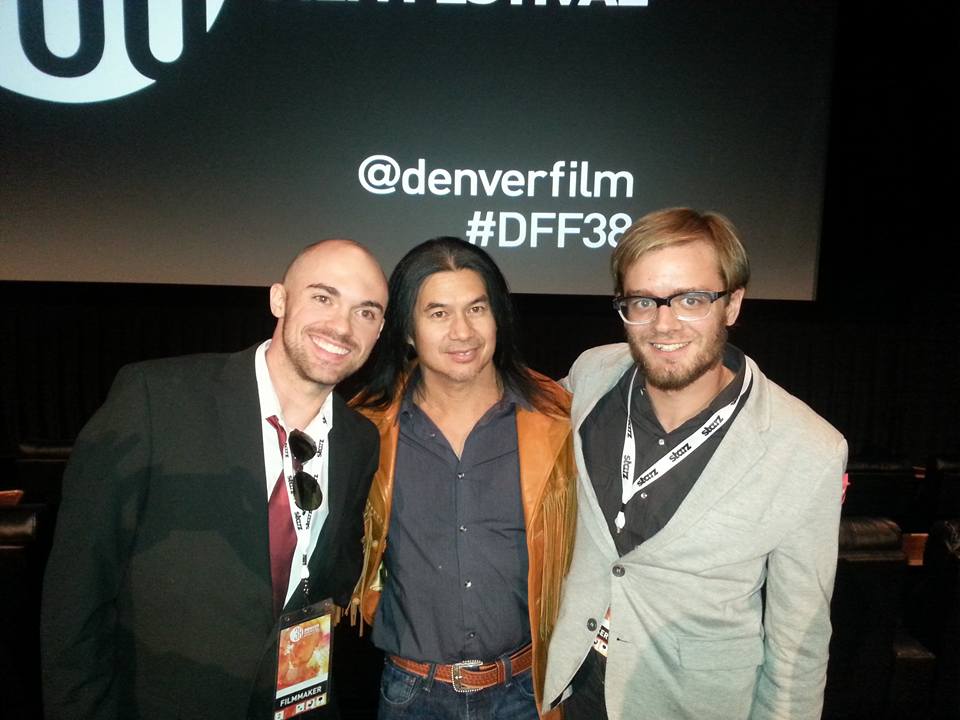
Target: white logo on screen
x=83, y=45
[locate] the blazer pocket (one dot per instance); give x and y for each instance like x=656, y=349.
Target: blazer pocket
x=733, y=522
x=720, y=653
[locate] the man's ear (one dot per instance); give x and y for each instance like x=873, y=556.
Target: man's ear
x=732, y=309
x=278, y=300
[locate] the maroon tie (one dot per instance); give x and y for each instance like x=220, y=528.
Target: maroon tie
x=283, y=538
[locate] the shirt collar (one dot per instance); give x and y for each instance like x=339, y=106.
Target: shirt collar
x=507, y=403
x=733, y=359
x=270, y=405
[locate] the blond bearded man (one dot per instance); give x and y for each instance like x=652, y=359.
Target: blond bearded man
x=709, y=504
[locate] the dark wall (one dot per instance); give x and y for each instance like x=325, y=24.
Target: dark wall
x=876, y=354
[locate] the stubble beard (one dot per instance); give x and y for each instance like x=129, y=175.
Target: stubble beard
x=669, y=377
x=306, y=367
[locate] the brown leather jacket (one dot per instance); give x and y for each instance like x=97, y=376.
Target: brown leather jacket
x=548, y=490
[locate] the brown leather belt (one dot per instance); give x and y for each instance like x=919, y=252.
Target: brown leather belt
x=470, y=675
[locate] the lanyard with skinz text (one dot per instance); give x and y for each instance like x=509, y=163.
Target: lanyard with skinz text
x=302, y=519
x=677, y=455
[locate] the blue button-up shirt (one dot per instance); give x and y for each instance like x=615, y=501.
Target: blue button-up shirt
x=456, y=558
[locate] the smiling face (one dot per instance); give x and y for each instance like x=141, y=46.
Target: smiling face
x=455, y=333
x=330, y=311
x=673, y=354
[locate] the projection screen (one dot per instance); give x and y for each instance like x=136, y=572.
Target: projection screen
x=174, y=141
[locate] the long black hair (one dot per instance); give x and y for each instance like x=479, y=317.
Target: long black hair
x=390, y=362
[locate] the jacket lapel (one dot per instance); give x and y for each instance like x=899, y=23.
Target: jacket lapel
x=241, y=440
x=739, y=451
x=341, y=448
x=540, y=438
x=588, y=393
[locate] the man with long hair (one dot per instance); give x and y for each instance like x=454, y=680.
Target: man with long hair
x=470, y=517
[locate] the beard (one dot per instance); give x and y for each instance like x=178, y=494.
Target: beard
x=307, y=366
x=672, y=377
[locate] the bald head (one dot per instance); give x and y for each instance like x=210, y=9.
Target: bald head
x=329, y=309
x=332, y=243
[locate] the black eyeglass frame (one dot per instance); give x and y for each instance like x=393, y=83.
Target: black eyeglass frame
x=621, y=300
x=306, y=489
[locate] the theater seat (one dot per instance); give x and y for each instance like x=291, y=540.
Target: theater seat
x=943, y=476
x=25, y=536
x=934, y=614
x=888, y=488
x=871, y=572
x=38, y=470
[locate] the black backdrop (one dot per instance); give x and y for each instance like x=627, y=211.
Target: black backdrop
x=876, y=353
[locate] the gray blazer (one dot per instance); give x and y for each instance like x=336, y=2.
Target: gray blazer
x=689, y=635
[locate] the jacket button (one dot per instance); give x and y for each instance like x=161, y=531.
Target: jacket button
x=374, y=544
x=591, y=625
x=619, y=570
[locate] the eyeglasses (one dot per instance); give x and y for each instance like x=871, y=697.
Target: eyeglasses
x=687, y=306
x=306, y=490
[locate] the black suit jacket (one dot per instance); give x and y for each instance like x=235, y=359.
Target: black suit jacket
x=157, y=598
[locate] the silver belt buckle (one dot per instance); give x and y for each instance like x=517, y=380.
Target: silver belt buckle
x=458, y=678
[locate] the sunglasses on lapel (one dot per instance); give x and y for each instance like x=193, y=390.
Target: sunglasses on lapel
x=306, y=490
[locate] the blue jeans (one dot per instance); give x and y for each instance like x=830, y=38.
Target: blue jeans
x=405, y=696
